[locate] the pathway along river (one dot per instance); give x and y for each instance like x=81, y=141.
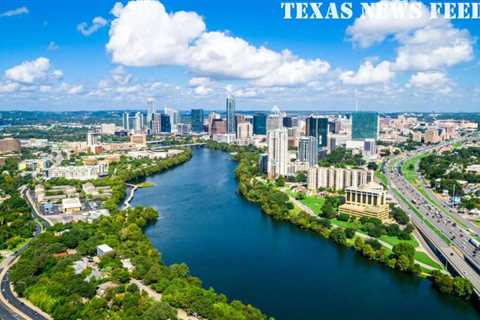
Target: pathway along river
x=287, y=272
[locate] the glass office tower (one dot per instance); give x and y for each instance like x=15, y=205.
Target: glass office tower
x=260, y=123
x=197, y=120
x=365, y=125
x=318, y=128
x=231, y=123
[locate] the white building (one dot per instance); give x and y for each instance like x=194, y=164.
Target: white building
x=79, y=172
x=274, y=122
x=278, y=160
x=337, y=178
x=104, y=249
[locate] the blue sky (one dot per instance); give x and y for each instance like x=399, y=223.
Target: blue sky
x=57, y=55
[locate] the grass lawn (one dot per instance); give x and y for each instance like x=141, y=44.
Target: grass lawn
x=313, y=202
x=344, y=224
x=424, y=258
x=380, y=176
x=394, y=240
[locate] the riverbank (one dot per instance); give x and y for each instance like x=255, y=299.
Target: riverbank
x=134, y=257
x=276, y=204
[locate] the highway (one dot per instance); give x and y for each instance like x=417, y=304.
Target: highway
x=450, y=238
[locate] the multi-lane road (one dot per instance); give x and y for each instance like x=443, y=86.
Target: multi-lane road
x=450, y=236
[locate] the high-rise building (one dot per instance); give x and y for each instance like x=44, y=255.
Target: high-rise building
x=308, y=150
x=126, y=121
x=231, y=123
x=365, y=125
x=91, y=138
x=174, y=116
x=165, y=124
x=218, y=126
x=287, y=122
x=138, y=125
x=318, y=128
x=260, y=123
x=274, y=122
x=156, y=123
x=277, y=141
x=244, y=130
x=151, y=109
x=197, y=120
x=183, y=129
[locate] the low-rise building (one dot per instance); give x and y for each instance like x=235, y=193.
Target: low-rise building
x=369, y=200
x=104, y=249
x=79, y=172
x=71, y=205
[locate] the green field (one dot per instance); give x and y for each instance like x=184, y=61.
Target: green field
x=424, y=258
x=395, y=240
x=313, y=202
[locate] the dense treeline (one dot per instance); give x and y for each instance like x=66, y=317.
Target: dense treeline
x=449, y=167
x=16, y=222
x=45, y=273
x=342, y=157
x=47, y=278
x=276, y=204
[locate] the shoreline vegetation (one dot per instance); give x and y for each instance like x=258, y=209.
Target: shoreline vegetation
x=276, y=203
x=45, y=276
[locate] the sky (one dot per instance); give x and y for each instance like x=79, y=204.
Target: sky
x=101, y=55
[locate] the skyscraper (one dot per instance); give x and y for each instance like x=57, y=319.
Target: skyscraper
x=260, y=123
x=126, y=121
x=151, y=109
x=231, y=123
x=197, y=120
x=277, y=152
x=318, y=128
x=165, y=123
x=287, y=122
x=174, y=116
x=156, y=123
x=365, y=125
x=274, y=121
x=308, y=150
x=138, y=126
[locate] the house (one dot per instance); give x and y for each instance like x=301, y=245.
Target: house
x=104, y=249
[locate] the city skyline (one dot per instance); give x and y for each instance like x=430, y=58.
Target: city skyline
x=78, y=57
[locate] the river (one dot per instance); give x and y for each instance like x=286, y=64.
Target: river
x=287, y=272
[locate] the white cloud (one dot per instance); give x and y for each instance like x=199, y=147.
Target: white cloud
x=386, y=18
x=432, y=48
x=30, y=71
x=144, y=34
x=15, y=12
x=202, y=90
x=180, y=39
x=425, y=43
x=71, y=88
x=9, y=87
x=52, y=46
x=428, y=79
x=368, y=74
x=97, y=24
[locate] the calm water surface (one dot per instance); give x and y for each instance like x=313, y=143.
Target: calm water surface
x=286, y=272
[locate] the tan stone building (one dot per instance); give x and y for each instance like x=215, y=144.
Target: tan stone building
x=369, y=200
